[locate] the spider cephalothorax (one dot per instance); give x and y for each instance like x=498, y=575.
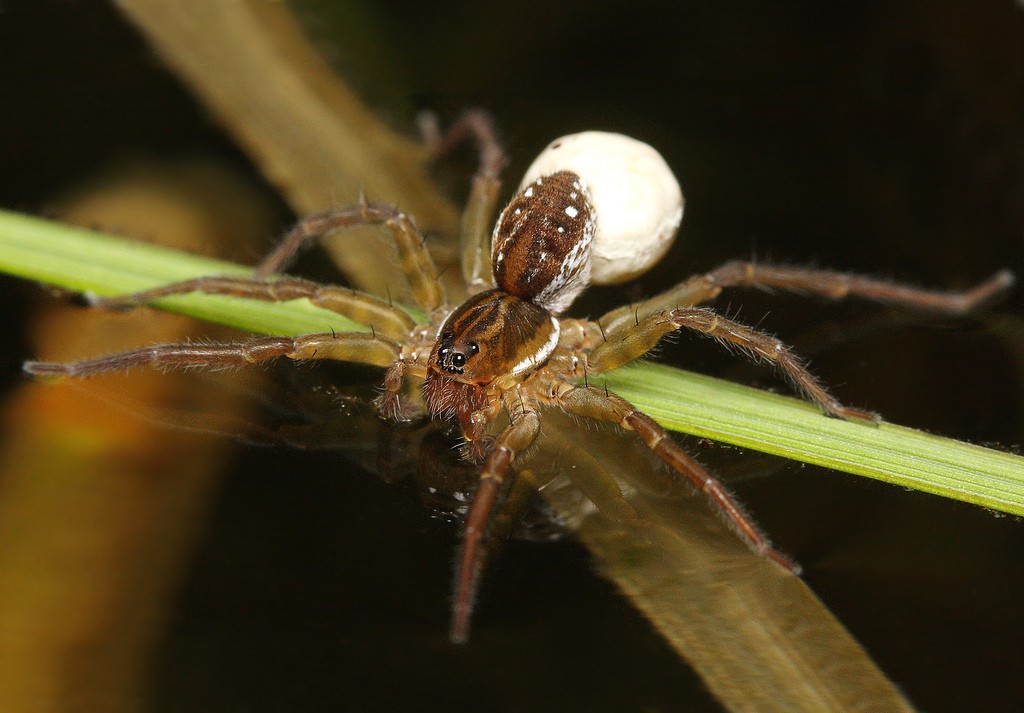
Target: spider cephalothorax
x=594, y=207
x=493, y=333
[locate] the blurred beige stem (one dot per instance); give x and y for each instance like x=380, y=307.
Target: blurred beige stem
x=251, y=66
x=757, y=635
x=100, y=500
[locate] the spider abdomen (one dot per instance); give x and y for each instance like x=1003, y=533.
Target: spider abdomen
x=541, y=243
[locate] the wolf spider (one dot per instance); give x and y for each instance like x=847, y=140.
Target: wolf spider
x=506, y=349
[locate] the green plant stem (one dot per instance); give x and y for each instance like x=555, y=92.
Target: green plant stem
x=85, y=261
x=81, y=260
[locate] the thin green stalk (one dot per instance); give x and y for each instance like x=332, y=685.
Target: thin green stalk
x=85, y=261
x=782, y=425
x=82, y=260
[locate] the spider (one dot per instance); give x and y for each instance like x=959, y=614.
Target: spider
x=595, y=207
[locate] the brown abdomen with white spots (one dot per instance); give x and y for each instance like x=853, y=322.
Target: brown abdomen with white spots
x=541, y=244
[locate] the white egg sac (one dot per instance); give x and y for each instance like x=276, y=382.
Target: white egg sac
x=637, y=198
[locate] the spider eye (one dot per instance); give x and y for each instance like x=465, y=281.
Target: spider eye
x=448, y=336
x=473, y=349
x=458, y=360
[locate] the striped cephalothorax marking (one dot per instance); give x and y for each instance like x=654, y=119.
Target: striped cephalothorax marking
x=493, y=333
x=594, y=207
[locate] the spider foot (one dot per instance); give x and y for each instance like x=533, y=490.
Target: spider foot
x=476, y=450
x=391, y=407
x=121, y=303
x=848, y=413
x=46, y=370
x=782, y=560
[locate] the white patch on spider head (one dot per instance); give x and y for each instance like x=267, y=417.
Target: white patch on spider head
x=541, y=355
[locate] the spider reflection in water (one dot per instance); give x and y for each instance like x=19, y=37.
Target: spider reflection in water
x=594, y=207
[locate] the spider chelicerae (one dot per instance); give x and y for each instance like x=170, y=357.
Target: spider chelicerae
x=594, y=207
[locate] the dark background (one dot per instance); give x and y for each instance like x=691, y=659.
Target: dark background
x=876, y=137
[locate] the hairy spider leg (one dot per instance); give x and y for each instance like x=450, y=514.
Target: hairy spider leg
x=414, y=258
x=839, y=285
x=625, y=345
x=517, y=497
x=389, y=324
x=478, y=214
x=601, y=405
x=346, y=346
x=388, y=403
x=368, y=310
x=822, y=283
x=514, y=439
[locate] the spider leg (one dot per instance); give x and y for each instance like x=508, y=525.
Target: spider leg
x=598, y=404
x=839, y=285
x=478, y=215
x=517, y=436
x=413, y=255
x=389, y=403
x=347, y=346
x=628, y=344
x=823, y=283
x=365, y=309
